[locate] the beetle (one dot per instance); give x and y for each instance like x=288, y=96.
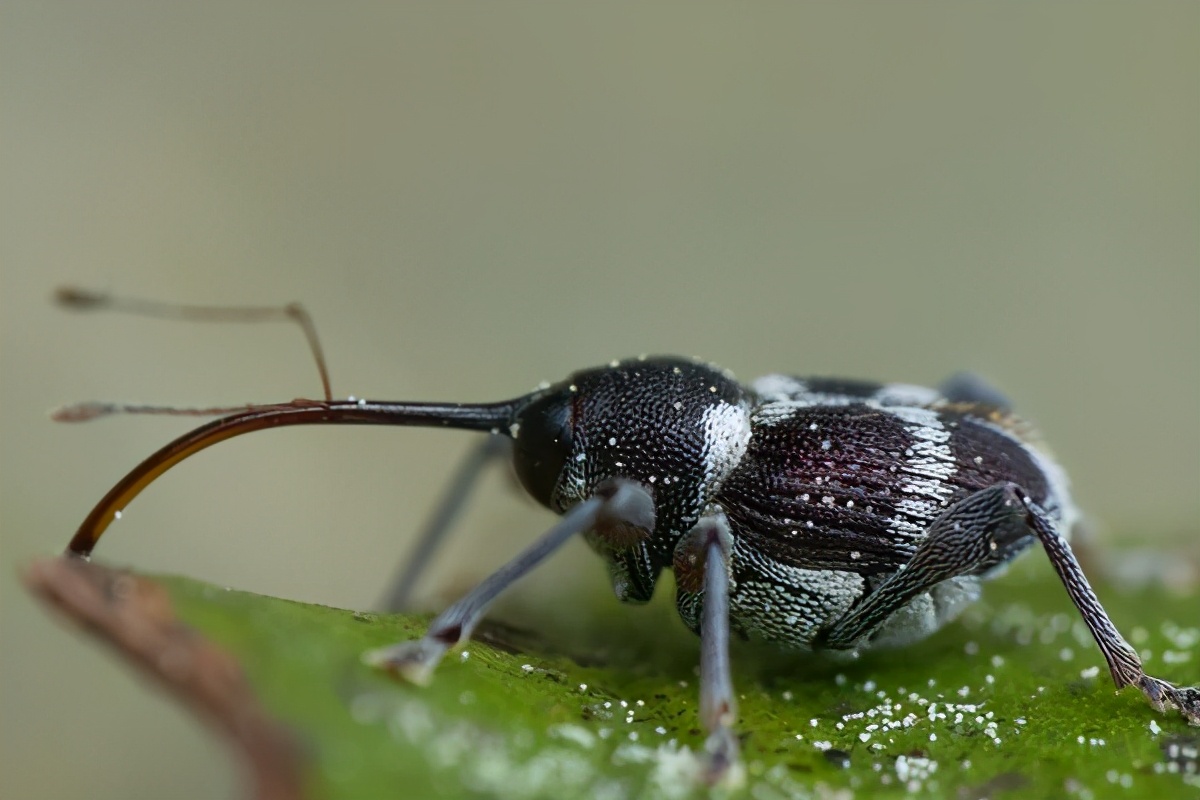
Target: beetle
x=810, y=513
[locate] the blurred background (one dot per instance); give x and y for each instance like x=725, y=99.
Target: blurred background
x=471, y=199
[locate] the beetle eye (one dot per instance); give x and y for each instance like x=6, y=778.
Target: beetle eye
x=542, y=443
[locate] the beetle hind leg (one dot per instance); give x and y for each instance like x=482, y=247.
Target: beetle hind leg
x=977, y=534
x=1123, y=662
x=971, y=537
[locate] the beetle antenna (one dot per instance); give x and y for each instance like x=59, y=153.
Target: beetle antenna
x=489, y=417
x=87, y=300
x=86, y=412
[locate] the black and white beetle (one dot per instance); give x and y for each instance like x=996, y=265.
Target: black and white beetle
x=809, y=513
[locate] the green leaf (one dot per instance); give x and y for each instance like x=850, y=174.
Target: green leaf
x=1013, y=698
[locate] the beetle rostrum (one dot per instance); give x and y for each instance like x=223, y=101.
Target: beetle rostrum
x=804, y=512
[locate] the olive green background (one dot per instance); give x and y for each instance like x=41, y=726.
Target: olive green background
x=473, y=198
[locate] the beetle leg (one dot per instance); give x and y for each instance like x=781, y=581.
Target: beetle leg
x=966, y=539
x=1123, y=661
x=445, y=514
x=708, y=547
x=617, y=502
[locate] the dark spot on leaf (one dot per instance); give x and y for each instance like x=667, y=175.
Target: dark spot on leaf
x=1004, y=782
x=1183, y=751
x=839, y=758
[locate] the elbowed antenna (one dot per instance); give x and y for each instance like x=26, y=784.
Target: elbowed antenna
x=491, y=417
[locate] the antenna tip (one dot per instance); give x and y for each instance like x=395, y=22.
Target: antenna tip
x=75, y=297
x=82, y=412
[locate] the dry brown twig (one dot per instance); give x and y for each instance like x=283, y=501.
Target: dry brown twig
x=134, y=616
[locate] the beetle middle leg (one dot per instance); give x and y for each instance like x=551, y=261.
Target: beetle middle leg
x=445, y=514
x=702, y=563
x=617, y=504
x=973, y=536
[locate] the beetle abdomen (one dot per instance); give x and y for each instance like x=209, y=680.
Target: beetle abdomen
x=839, y=484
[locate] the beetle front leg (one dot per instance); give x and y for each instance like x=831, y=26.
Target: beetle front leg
x=702, y=563
x=616, y=504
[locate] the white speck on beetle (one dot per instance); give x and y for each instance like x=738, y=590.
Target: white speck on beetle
x=514, y=429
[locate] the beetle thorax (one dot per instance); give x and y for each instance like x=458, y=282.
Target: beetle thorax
x=676, y=427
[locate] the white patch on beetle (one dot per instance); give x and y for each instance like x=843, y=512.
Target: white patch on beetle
x=726, y=436
x=926, y=613
x=773, y=388
x=928, y=466
x=787, y=605
x=904, y=394
x=783, y=396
